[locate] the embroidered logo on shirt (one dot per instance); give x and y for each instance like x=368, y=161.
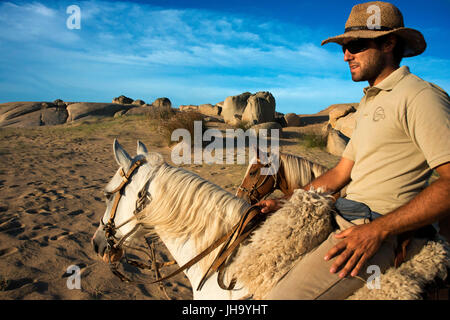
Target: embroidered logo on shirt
x=378, y=114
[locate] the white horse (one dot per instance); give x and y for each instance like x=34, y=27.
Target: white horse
x=187, y=212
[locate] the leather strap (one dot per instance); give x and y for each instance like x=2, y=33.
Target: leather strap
x=405, y=238
x=400, y=252
x=110, y=225
x=357, y=28
x=241, y=231
x=234, y=237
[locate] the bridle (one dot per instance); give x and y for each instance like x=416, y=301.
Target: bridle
x=144, y=198
x=254, y=194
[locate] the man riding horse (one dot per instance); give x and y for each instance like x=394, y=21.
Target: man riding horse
x=401, y=135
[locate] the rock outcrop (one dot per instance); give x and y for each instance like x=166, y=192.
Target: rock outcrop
x=268, y=126
x=138, y=102
x=233, y=108
x=346, y=124
x=145, y=109
x=31, y=114
x=340, y=111
x=292, y=120
x=122, y=100
x=209, y=110
x=87, y=109
x=260, y=108
x=341, y=123
x=162, y=102
x=336, y=142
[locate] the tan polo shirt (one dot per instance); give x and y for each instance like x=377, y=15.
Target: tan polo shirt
x=402, y=132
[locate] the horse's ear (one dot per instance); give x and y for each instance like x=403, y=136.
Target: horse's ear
x=262, y=157
x=122, y=157
x=274, y=160
x=141, y=149
x=253, y=154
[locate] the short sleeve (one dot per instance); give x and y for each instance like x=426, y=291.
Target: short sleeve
x=428, y=125
x=349, y=152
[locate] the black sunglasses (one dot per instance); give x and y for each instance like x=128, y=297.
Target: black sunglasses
x=356, y=46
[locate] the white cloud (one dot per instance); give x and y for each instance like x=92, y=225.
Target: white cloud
x=34, y=22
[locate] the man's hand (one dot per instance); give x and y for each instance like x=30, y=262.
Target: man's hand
x=359, y=244
x=269, y=205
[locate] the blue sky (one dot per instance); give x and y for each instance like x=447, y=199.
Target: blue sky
x=196, y=52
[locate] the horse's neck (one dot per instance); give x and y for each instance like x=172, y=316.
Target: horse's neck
x=298, y=179
x=183, y=253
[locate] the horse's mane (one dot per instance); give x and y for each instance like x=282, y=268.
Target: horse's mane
x=185, y=206
x=299, y=171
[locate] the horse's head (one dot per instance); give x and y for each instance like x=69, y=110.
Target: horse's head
x=126, y=194
x=255, y=185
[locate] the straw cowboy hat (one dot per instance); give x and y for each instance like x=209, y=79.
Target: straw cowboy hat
x=375, y=19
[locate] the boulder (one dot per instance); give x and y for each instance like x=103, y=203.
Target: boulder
x=336, y=142
x=162, y=102
x=122, y=100
x=189, y=107
x=60, y=103
x=80, y=110
x=234, y=105
x=260, y=108
x=346, y=124
x=213, y=119
x=11, y=110
x=208, y=110
x=281, y=121
x=31, y=114
x=54, y=115
x=268, y=126
x=236, y=121
x=138, y=102
x=306, y=120
x=292, y=120
x=145, y=109
x=119, y=113
x=339, y=111
x=327, y=111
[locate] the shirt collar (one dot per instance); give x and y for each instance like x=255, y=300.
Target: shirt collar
x=390, y=81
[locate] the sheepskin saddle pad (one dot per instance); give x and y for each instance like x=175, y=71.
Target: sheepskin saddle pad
x=302, y=224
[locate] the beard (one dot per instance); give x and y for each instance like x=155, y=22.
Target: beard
x=371, y=69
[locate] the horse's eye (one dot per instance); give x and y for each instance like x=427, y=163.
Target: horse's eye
x=108, y=196
x=252, y=174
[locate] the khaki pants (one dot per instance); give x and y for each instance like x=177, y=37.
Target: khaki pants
x=310, y=278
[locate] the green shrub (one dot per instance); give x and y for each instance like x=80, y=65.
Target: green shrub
x=311, y=140
x=161, y=113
